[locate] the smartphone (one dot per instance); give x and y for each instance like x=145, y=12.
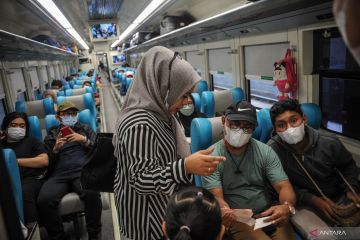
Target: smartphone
x=65, y=131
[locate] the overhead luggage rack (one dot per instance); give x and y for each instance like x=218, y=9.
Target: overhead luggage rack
x=249, y=19
x=15, y=47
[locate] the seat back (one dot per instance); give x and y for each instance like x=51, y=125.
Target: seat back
x=85, y=101
x=35, y=128
x=85, y=117
x=218, y=101
x=196, y=101
x=14, y=173
x=80, y=91
x=39, y=108
x=201, y=86
x=313, y=113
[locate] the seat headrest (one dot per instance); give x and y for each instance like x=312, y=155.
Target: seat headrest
x=35, y=128
x=218, y=101
x=313, y=113
x=201, y=86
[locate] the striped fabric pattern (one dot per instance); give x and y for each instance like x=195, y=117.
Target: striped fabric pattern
x=148, y=172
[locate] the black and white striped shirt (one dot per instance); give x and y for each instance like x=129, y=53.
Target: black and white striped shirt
x=148, y=172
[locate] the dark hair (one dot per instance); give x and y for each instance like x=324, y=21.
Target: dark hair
x=13, y=115
x=56, y=83
x=86, y=82
x=193, y=213
x=280, y=107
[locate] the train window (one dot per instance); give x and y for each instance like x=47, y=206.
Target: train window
x=2, y=110
x=339, y=100
x=220, y=81
x=195, y=59
x=34, y=78
x=220, y=68
x=52, y=72
x=259, y=71
x=21, y=96
x=17, y=81
x=331, y=53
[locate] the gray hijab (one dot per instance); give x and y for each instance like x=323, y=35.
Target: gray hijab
x=153, y=90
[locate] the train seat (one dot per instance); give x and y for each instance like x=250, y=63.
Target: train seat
x=39, y=108
x=216, y=102
x=201, y=86
x=77, y=86
x=85, y=117
x=85, y=101
x=196, y=101
x=75, y=92
x=313, y=113
x=35, y=128
x=14, y=173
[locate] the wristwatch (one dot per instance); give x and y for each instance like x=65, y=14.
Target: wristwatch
x=291, y=208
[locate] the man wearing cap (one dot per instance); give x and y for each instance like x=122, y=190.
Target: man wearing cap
x=68, y=150
x=248, y=178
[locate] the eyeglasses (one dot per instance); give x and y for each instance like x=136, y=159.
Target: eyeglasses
x=240, y=126
x=70, y=113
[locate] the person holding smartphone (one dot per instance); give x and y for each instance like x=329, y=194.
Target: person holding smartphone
x=68, y=145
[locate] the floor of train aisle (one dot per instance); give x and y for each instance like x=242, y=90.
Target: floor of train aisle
x=109, y=112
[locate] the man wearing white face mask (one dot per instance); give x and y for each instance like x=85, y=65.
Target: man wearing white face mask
x=320, y=154
x=68, y=145
x=247, y=178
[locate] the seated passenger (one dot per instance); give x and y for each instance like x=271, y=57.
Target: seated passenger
x=69, y=153
x=31, y=157
x=243, y=180
x=86, y=84
x=50, y=93
x=320, y=153
x=193, y=213
x=56, y=84
x=187, y=113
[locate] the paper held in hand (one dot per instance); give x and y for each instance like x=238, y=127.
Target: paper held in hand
x=245, y=216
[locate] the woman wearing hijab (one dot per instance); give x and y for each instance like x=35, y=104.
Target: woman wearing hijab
x=153, y=156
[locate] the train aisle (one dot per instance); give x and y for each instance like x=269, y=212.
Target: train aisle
x=109, y=113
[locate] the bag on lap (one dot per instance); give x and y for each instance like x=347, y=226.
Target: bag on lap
x=347, y=215
x=98, y=173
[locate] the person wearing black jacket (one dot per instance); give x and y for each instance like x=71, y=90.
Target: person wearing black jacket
x=320, y=153
x=31, y=157
x=68, y=153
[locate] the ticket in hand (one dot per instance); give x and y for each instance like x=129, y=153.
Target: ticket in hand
x=259, y=223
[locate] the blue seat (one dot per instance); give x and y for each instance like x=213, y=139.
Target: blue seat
x=201, y=86
x=14, y=173
x=196, y=101
x=313, y=113
x=128, y=82
x=75, y=92
x=76, y=86
x=38, y=108
x=84, y=118
x=85, y=101
x=218, y=101
x=35, y=128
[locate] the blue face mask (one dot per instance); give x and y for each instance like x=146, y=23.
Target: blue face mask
x=69, y=120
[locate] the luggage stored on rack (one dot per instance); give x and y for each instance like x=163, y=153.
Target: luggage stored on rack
x=170, y=23
x=139, y=37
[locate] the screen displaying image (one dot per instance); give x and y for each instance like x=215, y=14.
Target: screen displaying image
x=118, y=59
x=103, y=30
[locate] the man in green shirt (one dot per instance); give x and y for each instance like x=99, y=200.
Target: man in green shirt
x=247, y=178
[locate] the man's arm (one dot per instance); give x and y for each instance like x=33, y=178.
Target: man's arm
x=219, y=195
x=40, y=161
x=286, y=192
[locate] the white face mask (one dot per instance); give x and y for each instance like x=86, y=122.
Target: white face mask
x=16, y=133
x=187, y=110
x=341, y=22
x=236, y=138
x=293, y=135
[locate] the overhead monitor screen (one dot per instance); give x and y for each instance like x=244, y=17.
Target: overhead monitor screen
x=104, y=30
x=119, y=58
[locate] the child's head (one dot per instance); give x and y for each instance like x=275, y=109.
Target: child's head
x=193, y=213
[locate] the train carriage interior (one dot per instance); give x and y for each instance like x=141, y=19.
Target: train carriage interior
x=241, y=49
